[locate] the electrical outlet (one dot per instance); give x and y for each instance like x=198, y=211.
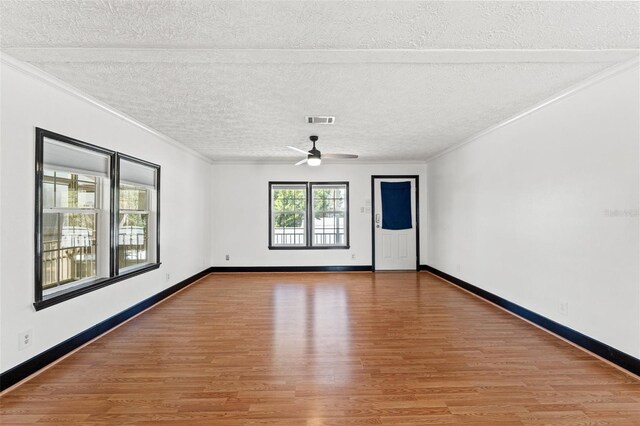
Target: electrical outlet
x=25, y=339
x=563, y=308
x=361, y=209
x=168, y=277
x=353, y=255
x=226, y=257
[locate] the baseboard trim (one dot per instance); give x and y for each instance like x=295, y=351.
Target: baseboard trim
x=51, y=355
x=596, y=347
x=350, y=268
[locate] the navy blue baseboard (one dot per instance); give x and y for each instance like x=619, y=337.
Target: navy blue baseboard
x=33, y=365
x=353, y=268
x=607, y=352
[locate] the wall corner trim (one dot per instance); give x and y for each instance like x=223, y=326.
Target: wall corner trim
x=49, y=79
x=589, y=81
x=613, y=355
x=35, y=364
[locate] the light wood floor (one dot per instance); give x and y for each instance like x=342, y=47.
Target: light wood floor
x=326, y=348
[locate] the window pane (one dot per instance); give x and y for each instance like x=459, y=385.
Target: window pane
x=69, y=248
x=288, y=215
x=68, y=190
x=329, y=210
x=289, y=199
x=48, y=193
x=137, y=221
x=299, y=204
x=133, y=239
x=133, y=198
x=51, y=249
x=86, y=194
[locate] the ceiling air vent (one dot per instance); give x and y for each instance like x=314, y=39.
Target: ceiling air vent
x=321, y=119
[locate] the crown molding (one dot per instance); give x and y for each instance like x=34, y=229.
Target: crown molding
x=596, y=78
x=316, y=56
x=292, y=161
x=67, y=88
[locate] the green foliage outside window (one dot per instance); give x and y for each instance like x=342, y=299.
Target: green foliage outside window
x=327, y=200
x=136, y=199
x=289, y=206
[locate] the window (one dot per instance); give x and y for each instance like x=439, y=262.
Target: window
x=308, y=215
x=136, y=218
x=76, y=194
x=70, y=229
x=289, y=213
x=329, y=214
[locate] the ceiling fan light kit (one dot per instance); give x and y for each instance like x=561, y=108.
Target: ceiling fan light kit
x=314, y=161
x=314, y=156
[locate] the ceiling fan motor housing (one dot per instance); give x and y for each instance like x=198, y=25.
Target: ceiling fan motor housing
x=314, y=156
x=314, y=152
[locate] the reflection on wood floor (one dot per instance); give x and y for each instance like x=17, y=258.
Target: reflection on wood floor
x=327, y=348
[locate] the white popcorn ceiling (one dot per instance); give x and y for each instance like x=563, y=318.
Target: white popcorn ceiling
x=405, y=80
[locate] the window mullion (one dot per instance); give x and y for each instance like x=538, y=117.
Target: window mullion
x=58, y=249
x=114, y=213
x=309, y=207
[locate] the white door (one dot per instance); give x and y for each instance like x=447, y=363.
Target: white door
x=394, y=249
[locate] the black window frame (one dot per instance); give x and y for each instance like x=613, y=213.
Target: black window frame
x=42, y=301
x=116, y=215
x=308, y=215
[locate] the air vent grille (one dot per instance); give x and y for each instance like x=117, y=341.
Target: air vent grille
x=320, y=119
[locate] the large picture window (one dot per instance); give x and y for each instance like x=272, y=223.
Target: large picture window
x=308, y=215
x=78, y=195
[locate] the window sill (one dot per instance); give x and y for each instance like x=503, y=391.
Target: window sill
x=54, y=299
x=309, y=248
x=133, y=268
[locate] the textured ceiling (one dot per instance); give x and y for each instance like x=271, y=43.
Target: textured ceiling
x=405, y=80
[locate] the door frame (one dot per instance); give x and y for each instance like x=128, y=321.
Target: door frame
x=373, y=216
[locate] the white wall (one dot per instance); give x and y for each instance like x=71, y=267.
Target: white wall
x=240, y=210
x=27, y=102
x=522, y=211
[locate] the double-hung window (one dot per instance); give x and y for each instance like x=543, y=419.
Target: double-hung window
x=329, y=214
x=136, y=215
x=289, y=214
x=308, y=215
x=85, y=196
x=72, y=221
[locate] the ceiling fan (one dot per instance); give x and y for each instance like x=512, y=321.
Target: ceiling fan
x=314, y=157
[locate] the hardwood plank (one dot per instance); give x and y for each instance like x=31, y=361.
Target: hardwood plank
x=326, y=349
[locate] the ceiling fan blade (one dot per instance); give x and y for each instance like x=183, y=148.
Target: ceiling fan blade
x=300, y=162
x=339, y=156
x=297, y=149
